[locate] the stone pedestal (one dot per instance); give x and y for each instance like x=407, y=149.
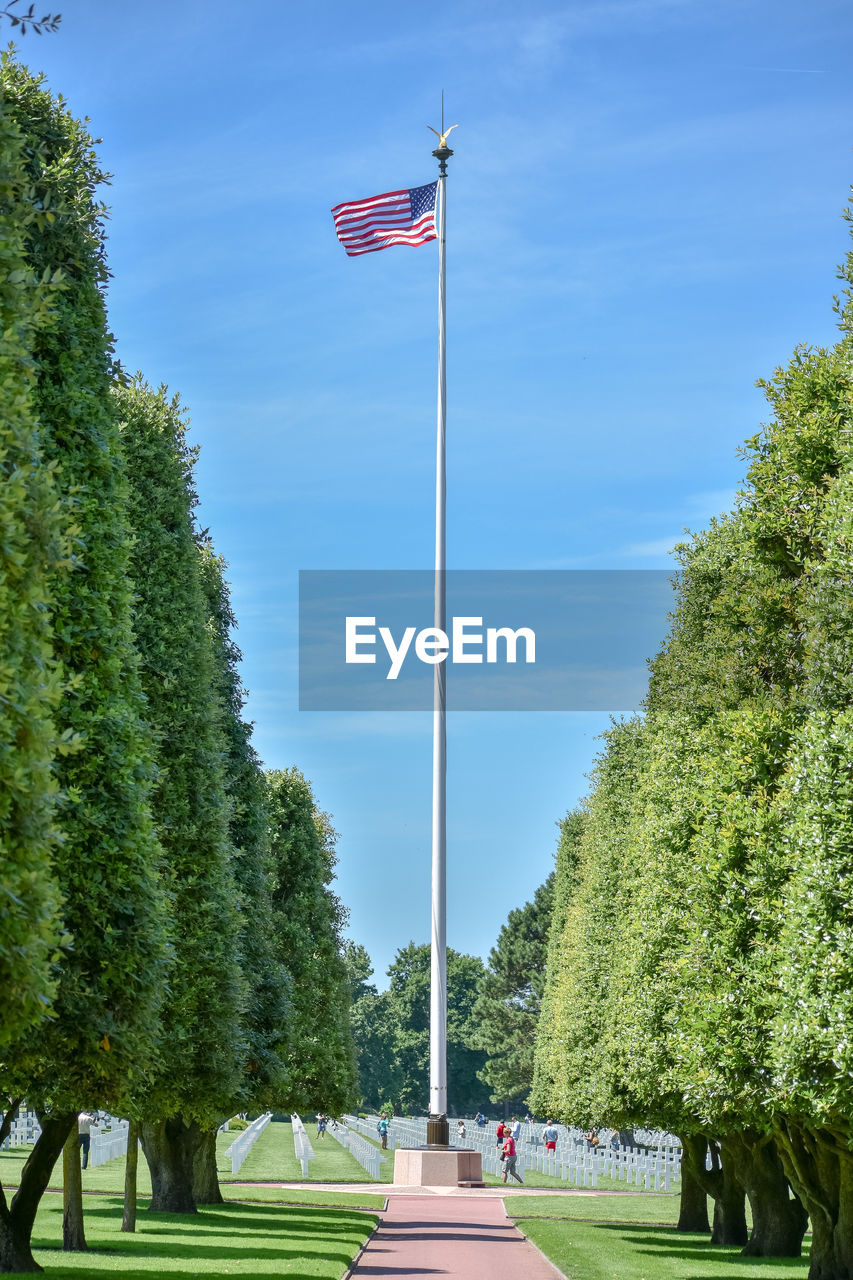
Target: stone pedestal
x=438, y=1167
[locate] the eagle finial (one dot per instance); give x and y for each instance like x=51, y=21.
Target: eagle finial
x=442, y=137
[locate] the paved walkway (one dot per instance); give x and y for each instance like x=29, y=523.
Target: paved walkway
x=422, y=1235
x=464, y=1193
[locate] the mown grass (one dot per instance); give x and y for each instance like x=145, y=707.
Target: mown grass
x=233, y=1239
x=271, y=1159
x=651, y=1208
x=632, y=1238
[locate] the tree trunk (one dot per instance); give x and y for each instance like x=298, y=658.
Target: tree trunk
x=16, y=1221
x=723, y=1184
x=819, y=1165
x=693, y=1211
x=128, y=1219
x=170, y=1147
x=205, y=1178
x=73, y=1231
x=15, y=1251
x=779, y=1220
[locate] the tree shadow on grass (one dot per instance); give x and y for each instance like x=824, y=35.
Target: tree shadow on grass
x=277, y=1239
x=226, y=1219
x=694, y=1247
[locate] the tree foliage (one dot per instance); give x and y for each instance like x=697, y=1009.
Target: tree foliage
x=110, y=973
x=109, y=970
x=199, y=1050
x=408, y=1004
x=507, y=1009
x=723, y=841
x=308, y=919
x=30, y=551
x=268, y=988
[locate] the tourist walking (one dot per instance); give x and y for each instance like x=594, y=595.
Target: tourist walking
x=501, y=1130
x=516, y=1128
x=550, y=1136
x=322, y=1121
x=460, y=1130
x=509, y=1158
x=85, y=1120
x=382, y=1126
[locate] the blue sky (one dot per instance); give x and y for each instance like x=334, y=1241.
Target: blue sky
x=643, y=218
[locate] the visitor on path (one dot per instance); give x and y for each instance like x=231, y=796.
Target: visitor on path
x=501, y=1130
x=460, y=1130
x=85, y=1120
x=382, y=1126
x=509, y=1158
x=322, y=1121
x=516, y=1128
x=549, y=1136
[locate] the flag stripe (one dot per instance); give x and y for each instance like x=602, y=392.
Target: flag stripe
x=383, y=226
x=395, y=217
x=370, y=200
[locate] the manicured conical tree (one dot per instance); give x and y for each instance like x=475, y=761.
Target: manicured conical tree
x=308, y=919
x=30, y=552
x=547, y=1055
x=110, y=971
x=804, y=467
x=265, y=1019
x=200, y=1051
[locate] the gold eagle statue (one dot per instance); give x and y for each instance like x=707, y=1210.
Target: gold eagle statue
x=442, y=137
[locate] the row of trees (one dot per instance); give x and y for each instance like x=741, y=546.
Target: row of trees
x=699, y=971
x=169, y=942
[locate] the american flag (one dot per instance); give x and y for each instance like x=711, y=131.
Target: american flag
x=397, y=217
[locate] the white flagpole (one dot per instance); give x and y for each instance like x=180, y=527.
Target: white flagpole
x=438, y=1128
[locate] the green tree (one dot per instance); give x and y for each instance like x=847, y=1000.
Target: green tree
x=200, y=1051
x=31, y=549
x=109, y=973
x=546, y=1055
x=408, y=1002
x=373, y=1034
x=507, y=1009
x=266, y=1009
x=308, y=919
x=359, y=970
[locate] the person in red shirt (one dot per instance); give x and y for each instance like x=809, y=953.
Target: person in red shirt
x=509, y=1157
x=502, y=1129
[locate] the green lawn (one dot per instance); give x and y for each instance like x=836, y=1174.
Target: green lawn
x=652, y=1208
x=233, y=1239
x=270, y=1160
x=586, y=1239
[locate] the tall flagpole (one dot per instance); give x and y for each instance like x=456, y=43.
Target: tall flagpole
x=438, y=1133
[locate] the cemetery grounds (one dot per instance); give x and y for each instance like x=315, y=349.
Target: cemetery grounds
x=266, y=1228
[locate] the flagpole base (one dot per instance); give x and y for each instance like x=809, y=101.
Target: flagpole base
x=438, y=1131
x=438, y=1167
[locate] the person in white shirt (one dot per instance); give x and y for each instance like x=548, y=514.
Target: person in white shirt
x=85, y=1120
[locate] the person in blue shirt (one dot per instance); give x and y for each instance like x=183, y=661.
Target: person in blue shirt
x=550, y=1136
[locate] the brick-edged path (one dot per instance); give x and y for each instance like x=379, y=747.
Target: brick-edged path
x=460, y=1238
